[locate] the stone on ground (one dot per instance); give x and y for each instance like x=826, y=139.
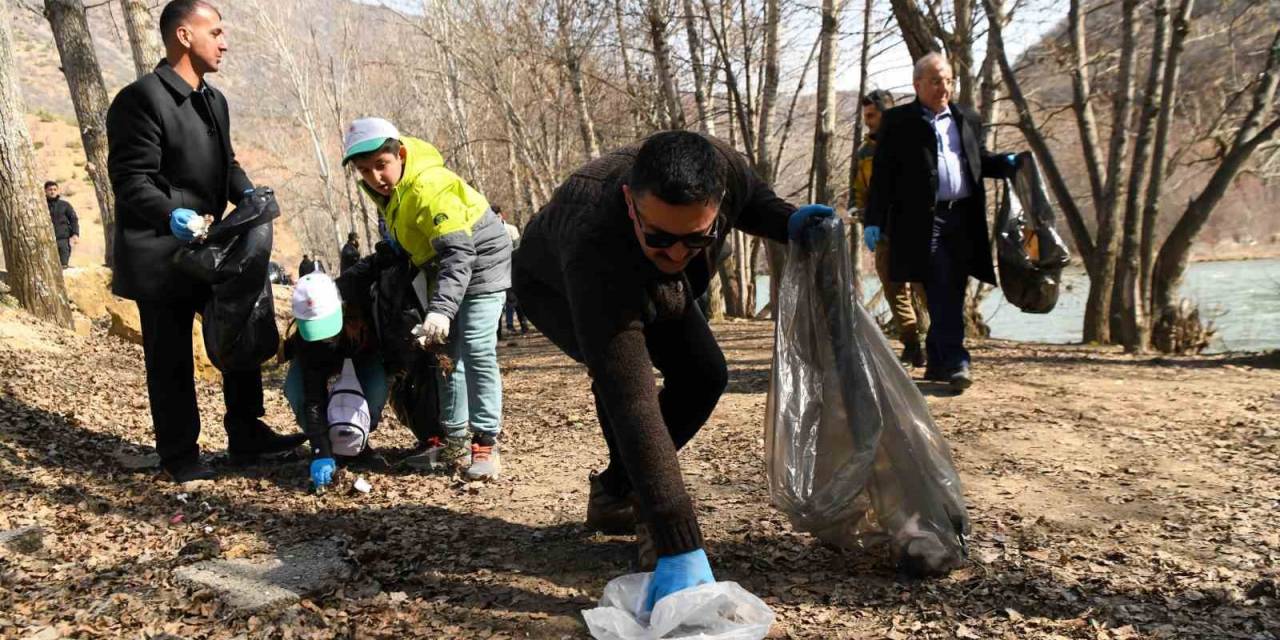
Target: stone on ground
x=26, y=540
x=252, y=586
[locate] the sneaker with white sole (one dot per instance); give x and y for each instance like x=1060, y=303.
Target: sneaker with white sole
x=442, y=456
x=485, y=461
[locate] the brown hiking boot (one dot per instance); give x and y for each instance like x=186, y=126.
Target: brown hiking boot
x=607, y=513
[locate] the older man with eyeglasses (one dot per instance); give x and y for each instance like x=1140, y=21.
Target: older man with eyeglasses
x=609, y=271
x=927, y=195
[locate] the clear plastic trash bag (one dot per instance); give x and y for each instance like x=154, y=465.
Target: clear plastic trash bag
x=720, y=611
x=1030, y=254
x=852, y=453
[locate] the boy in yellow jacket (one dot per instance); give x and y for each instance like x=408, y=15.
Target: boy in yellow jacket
x=448, y=230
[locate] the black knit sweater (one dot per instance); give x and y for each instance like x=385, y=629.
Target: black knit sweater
x=582, y=246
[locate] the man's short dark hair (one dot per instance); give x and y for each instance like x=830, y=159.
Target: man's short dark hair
x=391, y=146
x=679, y=167
x=50, y=183
x=883, y=100
x=177, y=12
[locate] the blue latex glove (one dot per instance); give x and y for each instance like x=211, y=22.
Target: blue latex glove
x=678, y=572
x=178, y=220
x=871, y=237
x=802, y=217
x=1012, y=159
x=322, y=470
x=247, y=192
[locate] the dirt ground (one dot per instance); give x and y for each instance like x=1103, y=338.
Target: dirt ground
x=1111, y=497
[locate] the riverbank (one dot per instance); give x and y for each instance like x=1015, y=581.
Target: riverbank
x=1111, y=497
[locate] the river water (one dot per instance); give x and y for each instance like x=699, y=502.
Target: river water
x=1242, y=298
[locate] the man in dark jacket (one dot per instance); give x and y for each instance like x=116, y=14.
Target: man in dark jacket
x=609, y=271
x=306, y=266
x=171, y=163
x=927, y=194
x=66, y=225
x=350, y=254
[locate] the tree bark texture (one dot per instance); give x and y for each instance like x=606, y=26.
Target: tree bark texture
x=824, y=126
x=89, y=97
x=144, y=35
x=1125, y=303
x=701, y=83
x=915, y=28
x=1151, y=209
x=31, y=256
x=1258, y=127
x=658, y=16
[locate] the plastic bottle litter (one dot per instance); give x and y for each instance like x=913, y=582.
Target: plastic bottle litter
x=362, y=485
x=720, y=611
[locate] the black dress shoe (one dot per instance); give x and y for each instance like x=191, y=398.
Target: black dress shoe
x=934, y=375
x=912, y=354
x=248, y=443
x=190, y=471
x=960, y=379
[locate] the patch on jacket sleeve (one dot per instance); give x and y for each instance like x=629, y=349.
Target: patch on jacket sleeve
x=440, y=219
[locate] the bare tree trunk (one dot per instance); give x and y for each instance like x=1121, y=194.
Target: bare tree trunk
x=89, y=96
x=31, y=254
x=745, y=124
x=620, y=25
x=658, y=14
x=701, y=86
x=855, y=232
x=915, y=28
x=825, y=121
x=769, y=96
x=1151, y=208
x=143, y=31
x=961, y=51
x=1125, y=302
x=1259, y=127
x=572, y=57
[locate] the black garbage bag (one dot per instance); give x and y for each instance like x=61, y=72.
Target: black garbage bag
x=852, y=453
x=240, y=330
x=398, y=296
x=1030, y=253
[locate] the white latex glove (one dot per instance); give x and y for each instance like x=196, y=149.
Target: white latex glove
x=434, y=330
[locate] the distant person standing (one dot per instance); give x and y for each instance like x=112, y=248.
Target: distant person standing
x=896, y=294
x=66, y=225
x=305, y=267
x=927, y=194
x=512, y=307
x=171, y=163
x=350, y=253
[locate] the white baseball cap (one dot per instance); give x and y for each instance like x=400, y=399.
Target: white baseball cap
x=365, y=135
x=317, y=307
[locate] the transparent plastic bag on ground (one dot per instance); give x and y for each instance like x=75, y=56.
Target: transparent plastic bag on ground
x=720, y=611
x=853, y=455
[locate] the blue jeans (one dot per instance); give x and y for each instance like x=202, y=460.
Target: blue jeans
x=472, y=393
x=949, y=252
x=370, y=373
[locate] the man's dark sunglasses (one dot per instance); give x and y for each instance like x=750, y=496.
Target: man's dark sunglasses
x=658, y=239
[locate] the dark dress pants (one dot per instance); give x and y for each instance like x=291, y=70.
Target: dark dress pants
x=166, y=345
x=950, y=249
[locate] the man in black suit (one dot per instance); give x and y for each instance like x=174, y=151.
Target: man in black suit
x=171, y=163
x=66, y=224
x=927, y=194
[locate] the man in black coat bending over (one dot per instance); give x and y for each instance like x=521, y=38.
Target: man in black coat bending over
x=609, y=271
x=927, y=194
x=171, y=162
